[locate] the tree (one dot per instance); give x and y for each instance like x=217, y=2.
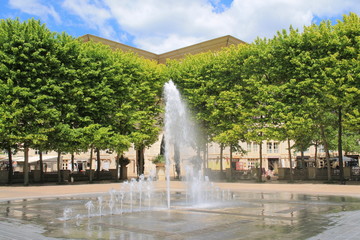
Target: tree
x=345, y=73
x=145, y=120
x=259, y=93
x=290, y=113
x=29, y=66
x=325, y=66
x=98, y=72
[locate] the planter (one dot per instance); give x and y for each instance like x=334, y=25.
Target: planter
x=160, y=171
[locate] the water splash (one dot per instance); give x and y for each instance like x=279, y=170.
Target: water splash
x=90, y=207
x=181, y=139
x=67, y=214
x=140, y=195
x=182, y=150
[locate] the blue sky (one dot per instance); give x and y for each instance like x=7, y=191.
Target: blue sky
x=164, y=25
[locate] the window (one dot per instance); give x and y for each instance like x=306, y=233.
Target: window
x=276, y=147
x=65, y=164
x=252, y=163
x=269, y=147
x=252, y=147
x=255, y=147
x=272, y=147
x=249, y=146
x=38, y=152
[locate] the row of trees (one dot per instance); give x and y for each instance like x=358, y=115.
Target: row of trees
x=58, y=93
x=300, y=86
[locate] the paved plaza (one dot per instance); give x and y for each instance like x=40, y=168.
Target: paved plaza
x=258, y=211
x=20, y=192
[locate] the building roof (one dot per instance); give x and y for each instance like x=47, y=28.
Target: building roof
x=210, y=45
x=116, y=45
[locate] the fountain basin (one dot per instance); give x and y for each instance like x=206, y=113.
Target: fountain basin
x=251, y=215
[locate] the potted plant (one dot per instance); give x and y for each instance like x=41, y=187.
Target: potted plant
x=159, y=161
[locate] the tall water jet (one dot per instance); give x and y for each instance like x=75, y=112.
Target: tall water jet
x=181, y=138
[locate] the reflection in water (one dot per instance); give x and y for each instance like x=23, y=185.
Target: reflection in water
x=253, y=215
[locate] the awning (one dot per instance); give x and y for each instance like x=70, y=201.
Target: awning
x=31, y=159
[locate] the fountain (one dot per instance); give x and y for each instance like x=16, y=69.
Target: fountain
x=181, y=149
x=181, y=137
x=137, y=209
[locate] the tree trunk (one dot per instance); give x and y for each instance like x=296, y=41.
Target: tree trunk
x=58, y=166
x=231, y=164
x=11, y=170
x=203, y=160
x=90, y=163
x=303, y=176
x=26, y=165
x=341, y=165
x=302, y=159
x=162, y=146
x=98, y=164
x=261, y=163
x=290, y=159
x=206, y=160
x=327, y=154
x=140, y=161
x=316, y=150
x=72, y=162
x=221, y=157
x=41, y=166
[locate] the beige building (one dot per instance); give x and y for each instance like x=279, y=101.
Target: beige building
x=211, y=45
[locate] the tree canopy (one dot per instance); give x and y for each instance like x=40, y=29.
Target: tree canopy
x=58, y=93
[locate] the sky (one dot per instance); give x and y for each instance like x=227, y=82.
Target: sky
x=160, y=26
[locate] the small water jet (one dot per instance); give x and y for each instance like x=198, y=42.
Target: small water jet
x=89, y=206
x=67, y=214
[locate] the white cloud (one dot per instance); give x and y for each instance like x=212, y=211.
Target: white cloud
x=164, y=25
x=93, y=13
x=35, y=7
x=160, y=25
x=168, y=43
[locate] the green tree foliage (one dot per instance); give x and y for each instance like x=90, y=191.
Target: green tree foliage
x=295, y=86
x=57, y=93
x=29, y=69
x=146, y=105
x=60, y=94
